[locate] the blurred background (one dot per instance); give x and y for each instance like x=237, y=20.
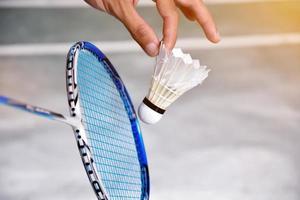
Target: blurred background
x=235, y=137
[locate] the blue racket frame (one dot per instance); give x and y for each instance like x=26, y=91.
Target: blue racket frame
x=79, y=132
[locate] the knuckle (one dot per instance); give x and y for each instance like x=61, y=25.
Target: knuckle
x=140, y=31
x=172, y=15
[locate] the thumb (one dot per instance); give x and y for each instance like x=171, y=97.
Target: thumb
x=140, y=31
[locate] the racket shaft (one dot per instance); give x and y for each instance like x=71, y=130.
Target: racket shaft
x=37, y=111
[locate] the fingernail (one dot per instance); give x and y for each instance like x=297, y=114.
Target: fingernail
x=151, y=49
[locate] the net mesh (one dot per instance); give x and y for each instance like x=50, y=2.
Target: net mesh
x=108, y=129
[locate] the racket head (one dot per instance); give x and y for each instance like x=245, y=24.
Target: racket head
x=109, y=138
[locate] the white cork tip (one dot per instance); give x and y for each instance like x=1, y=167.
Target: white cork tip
x=148, y=115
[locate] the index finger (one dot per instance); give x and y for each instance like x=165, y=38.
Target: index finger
x=206, y=21
x=168, y=11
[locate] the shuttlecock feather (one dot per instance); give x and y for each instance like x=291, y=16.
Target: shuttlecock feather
x=174, y=74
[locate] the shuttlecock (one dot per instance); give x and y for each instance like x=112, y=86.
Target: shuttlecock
x=174, y=74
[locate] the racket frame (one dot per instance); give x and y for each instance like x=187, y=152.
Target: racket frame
x=79, y=131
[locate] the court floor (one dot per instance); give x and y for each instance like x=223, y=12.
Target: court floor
x=235, y=137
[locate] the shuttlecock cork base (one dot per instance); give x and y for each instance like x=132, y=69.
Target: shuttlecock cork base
x=149, y=113
x=174, y=74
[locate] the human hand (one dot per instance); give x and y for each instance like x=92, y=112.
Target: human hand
x=143, y=34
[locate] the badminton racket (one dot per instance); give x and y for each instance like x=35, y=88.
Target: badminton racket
x=104, y=123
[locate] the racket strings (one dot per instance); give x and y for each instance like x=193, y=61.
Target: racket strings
x=96, y=75
x=112, y=120
x=108, y=129
x=114, y=146
x=109, y=122
x=110, y=103
x=114, y=102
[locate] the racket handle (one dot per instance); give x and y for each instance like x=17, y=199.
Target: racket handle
x=42, y=112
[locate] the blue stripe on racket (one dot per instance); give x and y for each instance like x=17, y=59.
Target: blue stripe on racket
x=104, y=123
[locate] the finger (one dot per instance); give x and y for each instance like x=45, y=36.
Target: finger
x=135, y=2
x=168, y=11
x=96, y=4
x=141, y=32
x=188, y=13
x=205, y=19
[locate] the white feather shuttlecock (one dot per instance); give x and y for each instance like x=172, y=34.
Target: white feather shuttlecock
x=174, y=74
